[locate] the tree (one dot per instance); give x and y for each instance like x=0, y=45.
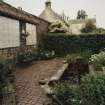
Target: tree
x=89, y=27
x=81, y=14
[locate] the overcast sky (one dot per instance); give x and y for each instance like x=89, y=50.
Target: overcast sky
x=94, y=8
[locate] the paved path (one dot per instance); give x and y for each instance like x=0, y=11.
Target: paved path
x=28, y=90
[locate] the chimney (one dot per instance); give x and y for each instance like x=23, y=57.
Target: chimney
x=48, y=4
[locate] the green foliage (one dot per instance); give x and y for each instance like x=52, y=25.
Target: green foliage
x=91, y=91
x=64, y=44
x=25, y=57
x=77, y=61
x=86, y=54
x=45, y=54
x=72, y=58
x=98, y=60
x=99, y=30
x=29, y=57
x=67, y=94
x=77, y=66
x=89, y=27
x=81, y=14
x=6, y=66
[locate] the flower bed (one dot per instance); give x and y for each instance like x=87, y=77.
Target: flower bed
x=6, y=76
x=91, y=91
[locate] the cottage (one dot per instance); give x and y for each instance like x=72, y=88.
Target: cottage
x=79, y=23
x=19, y=30
x=75, y=25
x=48, y=14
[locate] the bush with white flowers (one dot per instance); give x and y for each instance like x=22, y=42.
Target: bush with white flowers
x=98, y=59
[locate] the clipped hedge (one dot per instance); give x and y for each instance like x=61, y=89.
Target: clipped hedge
x=63, y=44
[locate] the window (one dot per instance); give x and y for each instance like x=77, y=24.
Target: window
x=9, y=32
x=32, y=34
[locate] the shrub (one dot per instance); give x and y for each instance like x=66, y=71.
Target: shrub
x=91, y=91
x=45, y=54
x=6, y=67
x=98, y=60
x=86, y=54
x=6, y=74
x=99, y=30
x=25, y=57
x=89, y=27
x=67, y=94
x=78, y=66
x=64, y=44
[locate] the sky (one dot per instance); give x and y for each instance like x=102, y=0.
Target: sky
x=94, y=8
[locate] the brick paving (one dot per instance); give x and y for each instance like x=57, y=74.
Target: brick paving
x=28, y=91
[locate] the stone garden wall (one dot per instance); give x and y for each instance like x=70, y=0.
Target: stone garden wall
x=41, y=29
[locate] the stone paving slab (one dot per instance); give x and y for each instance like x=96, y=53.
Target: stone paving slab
x=28, y=91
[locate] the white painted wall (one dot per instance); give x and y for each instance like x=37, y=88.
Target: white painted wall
x=9, y=32
x=32, y=37
x=75, y=28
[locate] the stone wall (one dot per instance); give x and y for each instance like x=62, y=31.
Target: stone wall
x=11, y=52
x=41, y=28
x=76, y=28
x=77, y=24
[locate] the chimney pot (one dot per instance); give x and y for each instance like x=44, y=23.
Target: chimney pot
x=48, y=4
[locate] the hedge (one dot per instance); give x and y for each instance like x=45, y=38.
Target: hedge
x=63, y=44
